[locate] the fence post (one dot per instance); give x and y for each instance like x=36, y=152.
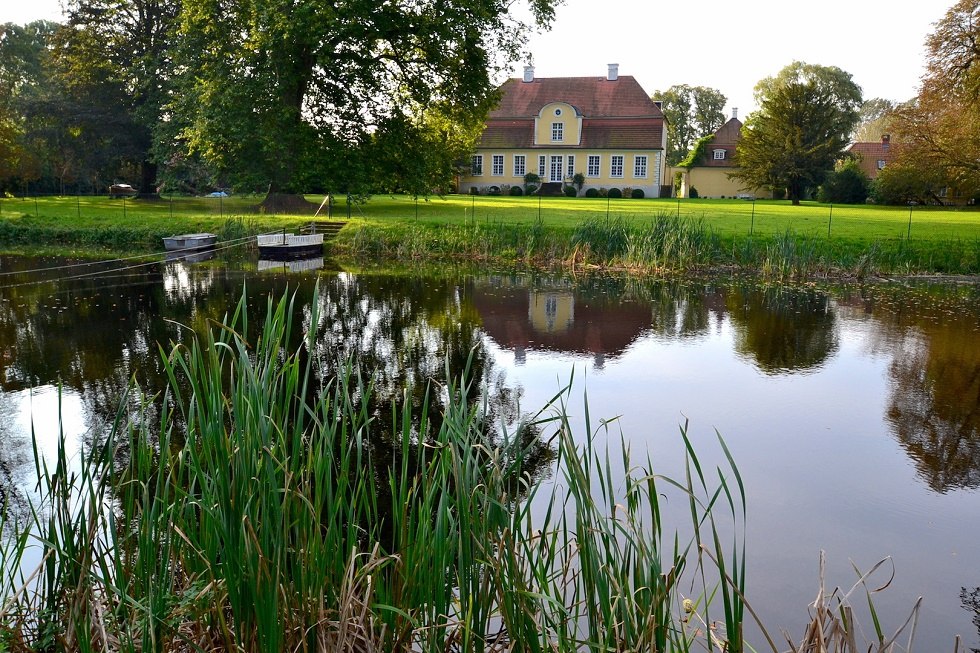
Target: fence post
x=752, y=224
x=908, y=234
x=830, y=220
x=124, y=207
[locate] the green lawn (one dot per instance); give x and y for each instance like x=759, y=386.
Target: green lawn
x=529, y=229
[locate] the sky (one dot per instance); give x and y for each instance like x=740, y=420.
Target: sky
x=725, y=45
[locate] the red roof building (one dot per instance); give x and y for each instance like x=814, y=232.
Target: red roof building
x=606, y=128
x=873, y=156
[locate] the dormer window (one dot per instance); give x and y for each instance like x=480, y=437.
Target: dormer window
x=881, y=163
x=719, y=155
x=557, y=132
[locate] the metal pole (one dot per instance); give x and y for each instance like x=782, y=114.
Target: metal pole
x=752, y=225
x=36, y=214
x=416, y=209
x=171, y=205
x=830, y=220
x=678, y=206
x=78, y=202
x=221, y=207
x=608, y=199
x=124, y=207
x=539, y=204
x=908, y=235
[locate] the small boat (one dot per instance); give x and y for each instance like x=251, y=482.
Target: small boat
x=284, y=247
x=290, y=265
x=189, y=241
x=191, y=255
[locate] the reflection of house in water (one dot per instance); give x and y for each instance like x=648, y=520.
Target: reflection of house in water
x=554, y=318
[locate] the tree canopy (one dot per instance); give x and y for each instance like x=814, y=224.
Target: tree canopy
x=794, y=139
x=940, y=129
x=282, y=90
x=830, y=81
x=692, y=112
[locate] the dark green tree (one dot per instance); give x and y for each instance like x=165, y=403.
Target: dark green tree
x=831, y=81
x=794, y=139
x=274, y=90
x=847, y=184
x=692, y=112
x=123, y=49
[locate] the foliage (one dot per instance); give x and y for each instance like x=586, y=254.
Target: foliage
x=637, y=194
x=697, y=153
x=570, y=191
x=848, y=184
x=693, y=193
x=578, y=180
x=592, y=192
x=516, y=191
x=493, y=191
x=794, y=139
x=900, y=183
x=276, y=89
x=692, y=112
x=940, y=129
x=614, y=193
x=874, y=120
x=531, y=181
x=830, y=82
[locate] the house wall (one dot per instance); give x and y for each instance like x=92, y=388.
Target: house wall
x=558, y=112
x=650, y=183
x=714, y=183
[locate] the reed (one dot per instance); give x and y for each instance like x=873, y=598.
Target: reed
x=255, y=506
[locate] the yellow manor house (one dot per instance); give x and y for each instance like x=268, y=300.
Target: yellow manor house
x=606, y=128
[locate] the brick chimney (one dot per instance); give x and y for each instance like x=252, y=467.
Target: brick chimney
x=613, y=73
x=886, y=140
x=528, y=73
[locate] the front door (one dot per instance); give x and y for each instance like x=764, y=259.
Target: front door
x=556, y=168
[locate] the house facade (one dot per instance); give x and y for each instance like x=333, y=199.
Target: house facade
x=709, y=176
x=606, y=128
x=872, y=156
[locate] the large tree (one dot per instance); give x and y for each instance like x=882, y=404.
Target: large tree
x=830, y=81
x=692, y=112
x=793, y=140
x=940, y=129
x=874, y=120
x=278, y=91
x=123, y=49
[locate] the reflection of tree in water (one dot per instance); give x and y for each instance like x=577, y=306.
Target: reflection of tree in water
x=971, y=603
x=934, y=406
x=13, y=459
x=95, y=335
x=783, y=329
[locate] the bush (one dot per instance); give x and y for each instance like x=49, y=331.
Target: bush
x=493, y=190
x=474, y=190
x=615, y=193
x=530, y=189
x=846, y=185
x=516, y=191
x=693, y=194
x=638, y=194
x=592, y=192
x=603, y=191
x=627, y=191
x=570, y=191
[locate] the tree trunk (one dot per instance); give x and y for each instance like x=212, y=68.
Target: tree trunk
x=276, y=202
x=148, y=180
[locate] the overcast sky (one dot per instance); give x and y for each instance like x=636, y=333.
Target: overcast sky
x=725, y=45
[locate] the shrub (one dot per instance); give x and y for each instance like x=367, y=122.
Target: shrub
x=474, y=190
x=592, y=192
x=570, y=191
x=638, y=194
x=531, y=181
x=578, y=180
x=493, y=190
x=627, y=191
x=615, y=193
x=694, y=193
x=530, y=189
x=505, y=189
x=516, y=191
x=603, y=191
x=846, y=185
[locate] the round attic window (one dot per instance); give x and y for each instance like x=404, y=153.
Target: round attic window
x=557, y=112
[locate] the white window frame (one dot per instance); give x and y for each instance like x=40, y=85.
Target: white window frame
x=881, y=164
x=597, y=168
x=476, y=165
x=520, y=165
x=570, y=165
x=719, y=155
x=641, y=164
x=557, y=132
x=496, y=165
x=542, y=166
x=613, y=165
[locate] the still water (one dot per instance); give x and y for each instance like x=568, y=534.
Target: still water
x=853, y=413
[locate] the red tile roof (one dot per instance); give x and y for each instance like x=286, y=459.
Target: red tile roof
x=725, y=138
x=594, y=97
x=616, y=114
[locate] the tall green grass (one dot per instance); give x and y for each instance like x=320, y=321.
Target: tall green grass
x=254, y=506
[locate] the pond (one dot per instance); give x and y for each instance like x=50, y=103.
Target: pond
x=853, y=412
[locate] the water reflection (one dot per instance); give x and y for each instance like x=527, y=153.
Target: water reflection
x=784, y=330
x=970, y=598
